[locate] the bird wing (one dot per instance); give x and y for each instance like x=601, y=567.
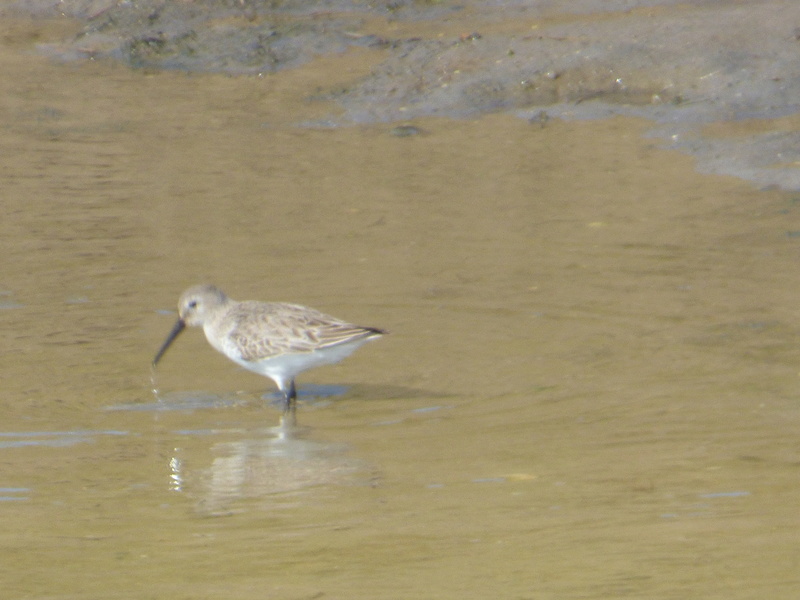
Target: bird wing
x=263, y=330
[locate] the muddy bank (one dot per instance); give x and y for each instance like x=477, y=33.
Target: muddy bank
x=683, y=67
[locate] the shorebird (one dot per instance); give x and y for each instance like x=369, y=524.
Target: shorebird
x=273, y=339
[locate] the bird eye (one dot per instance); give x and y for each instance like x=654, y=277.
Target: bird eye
x=193, y=304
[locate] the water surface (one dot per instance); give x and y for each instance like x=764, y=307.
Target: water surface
x=589, y=390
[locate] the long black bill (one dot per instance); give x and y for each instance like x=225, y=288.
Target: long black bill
x=179, y=326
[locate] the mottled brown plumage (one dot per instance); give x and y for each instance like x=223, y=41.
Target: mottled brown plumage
x=262, y=330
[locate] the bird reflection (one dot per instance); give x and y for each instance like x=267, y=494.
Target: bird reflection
x=273, y=467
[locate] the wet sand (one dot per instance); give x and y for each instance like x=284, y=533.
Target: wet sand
x=589, y=390
x=682, y=66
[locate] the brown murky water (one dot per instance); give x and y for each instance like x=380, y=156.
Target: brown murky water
x=590, y=390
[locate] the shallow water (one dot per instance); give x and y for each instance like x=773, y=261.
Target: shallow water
x=589, y=390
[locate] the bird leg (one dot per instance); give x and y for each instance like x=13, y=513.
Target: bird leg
x=291, y=398
x=289, y=405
